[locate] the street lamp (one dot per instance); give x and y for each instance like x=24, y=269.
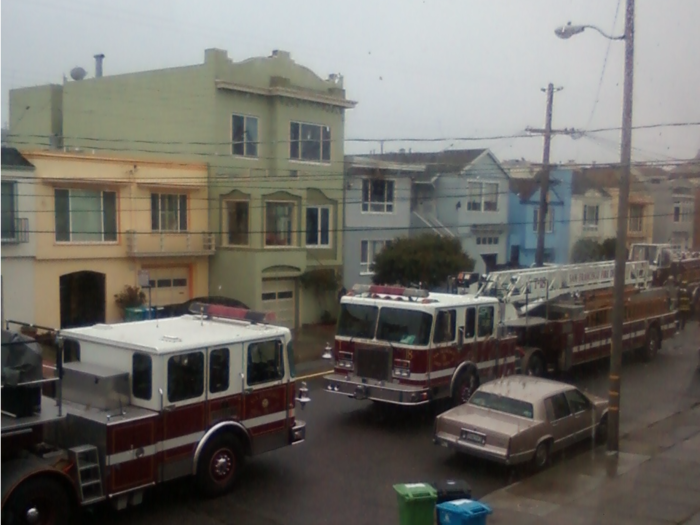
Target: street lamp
x=566, y=32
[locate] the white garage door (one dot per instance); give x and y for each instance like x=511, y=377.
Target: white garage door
x=169, y=285
x=278, y=297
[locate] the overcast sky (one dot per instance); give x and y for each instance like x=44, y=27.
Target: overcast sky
x=418, y=68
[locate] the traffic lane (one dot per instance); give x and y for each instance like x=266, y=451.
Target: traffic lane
x=343, y=473
x=653, y=390
x=354, y=453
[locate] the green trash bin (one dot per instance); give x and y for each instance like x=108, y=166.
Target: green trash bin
x=416, y=503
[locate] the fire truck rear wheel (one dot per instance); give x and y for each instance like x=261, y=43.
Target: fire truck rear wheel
x=533, y=364
x=219, y=465
x=465, y=385
x=39, y=500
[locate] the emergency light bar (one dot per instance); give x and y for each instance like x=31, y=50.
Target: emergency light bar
x=389, y=290
x=231, y=312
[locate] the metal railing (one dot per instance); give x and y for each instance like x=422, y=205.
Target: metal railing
x=16, y=232
x=161, y=244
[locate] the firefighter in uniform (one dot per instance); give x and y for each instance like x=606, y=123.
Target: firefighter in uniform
x=683, y=304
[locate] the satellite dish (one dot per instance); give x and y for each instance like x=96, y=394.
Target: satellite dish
x=78, y=73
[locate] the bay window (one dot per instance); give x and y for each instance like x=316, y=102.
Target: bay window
x=279, y=219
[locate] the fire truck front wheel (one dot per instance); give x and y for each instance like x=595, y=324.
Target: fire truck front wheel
x=465, y=385
x=219, y=465
x=39, y=500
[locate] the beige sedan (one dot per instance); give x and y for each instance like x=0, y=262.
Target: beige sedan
x=521, y=419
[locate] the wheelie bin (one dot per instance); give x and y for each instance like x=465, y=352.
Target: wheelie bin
x=416, y=503
x=450, y=490
x=463, y=512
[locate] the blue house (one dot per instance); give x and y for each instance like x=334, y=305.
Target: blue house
x=523, y=214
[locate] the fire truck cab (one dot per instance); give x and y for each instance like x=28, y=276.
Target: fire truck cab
x=146, y=402
x=407, y=346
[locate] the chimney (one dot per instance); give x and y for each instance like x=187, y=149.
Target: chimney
x=98, y=65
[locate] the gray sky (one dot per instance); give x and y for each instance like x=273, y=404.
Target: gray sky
x=427, y=69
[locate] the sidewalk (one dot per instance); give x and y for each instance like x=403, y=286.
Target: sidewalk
x=309, y=344
x=655, y=480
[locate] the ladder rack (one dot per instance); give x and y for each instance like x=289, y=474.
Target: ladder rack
x=536, y=284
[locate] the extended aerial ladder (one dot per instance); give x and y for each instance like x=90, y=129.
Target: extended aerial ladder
x=534, y=285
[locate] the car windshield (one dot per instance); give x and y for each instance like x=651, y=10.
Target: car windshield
x=357, y=320
x=507, y=405
x=407, y=327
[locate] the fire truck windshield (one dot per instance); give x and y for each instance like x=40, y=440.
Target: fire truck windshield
x=408, y=327
x=357, y=320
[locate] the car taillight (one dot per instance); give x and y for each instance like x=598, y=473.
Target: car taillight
x=345, y=360
x=402, y=368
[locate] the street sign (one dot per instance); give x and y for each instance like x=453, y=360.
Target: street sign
x=144, y=279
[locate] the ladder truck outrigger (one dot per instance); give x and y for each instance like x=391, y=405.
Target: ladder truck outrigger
x=562, y=314
x=142, y=403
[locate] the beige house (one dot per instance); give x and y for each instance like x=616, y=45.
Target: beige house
x=96, y=223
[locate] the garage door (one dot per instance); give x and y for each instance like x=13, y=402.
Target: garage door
x=169, y=285
x=278, y=297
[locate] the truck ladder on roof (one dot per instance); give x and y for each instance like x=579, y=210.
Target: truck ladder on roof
x=536, y=284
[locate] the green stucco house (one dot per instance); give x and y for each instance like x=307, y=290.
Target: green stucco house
x=272, y=134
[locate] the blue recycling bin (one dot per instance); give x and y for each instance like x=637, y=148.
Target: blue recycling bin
x=463, y=512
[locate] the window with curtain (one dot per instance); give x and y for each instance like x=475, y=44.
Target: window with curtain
x=85, y=215
x=168, y=212
x=278, y=223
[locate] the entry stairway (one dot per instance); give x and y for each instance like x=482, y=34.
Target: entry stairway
x=534, y=285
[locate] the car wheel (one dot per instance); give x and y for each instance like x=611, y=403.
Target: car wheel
x=541, y=458
x=601, y=433
x=466, y=384
x=653, y=344
x=219, y=465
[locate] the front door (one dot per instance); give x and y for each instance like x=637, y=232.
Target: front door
x=265, y=395
x=224, y=384
x=583, y=414
x=183, y=412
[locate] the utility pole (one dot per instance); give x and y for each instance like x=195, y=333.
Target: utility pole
x=544, y=183
x=618, y=313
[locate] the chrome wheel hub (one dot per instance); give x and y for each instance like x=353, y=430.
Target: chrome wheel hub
x=221, y=465
x=33, y=516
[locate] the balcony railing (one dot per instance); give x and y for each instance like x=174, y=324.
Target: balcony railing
x=168, y=244
x=16, y=232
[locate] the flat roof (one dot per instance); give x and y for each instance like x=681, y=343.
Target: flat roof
x=174, y=334
x=439, y=300
x=525, y=388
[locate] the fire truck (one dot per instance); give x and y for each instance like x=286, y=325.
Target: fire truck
x=668, y=264
x=141, y=403
x=562, y=315
x=407, y=346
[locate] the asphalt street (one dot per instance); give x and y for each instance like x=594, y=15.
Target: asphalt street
x=354, y=453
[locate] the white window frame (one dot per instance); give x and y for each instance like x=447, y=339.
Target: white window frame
x=638, y=221
x=323, y=143
x=476, y=196
x=246, y=143
x=366, y=266
x=102, y=217
x=319, y=209
x=386, y=206
x=589, y=224
x=292, y=243
x=683, y=209
x=179, y=228
x=226, y=221
x=548, y=220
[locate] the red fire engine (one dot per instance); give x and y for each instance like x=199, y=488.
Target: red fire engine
x=670, y=264
x=562, y=314
x=144, y=402
x=407, y=346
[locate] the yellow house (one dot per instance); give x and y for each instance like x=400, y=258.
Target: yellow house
x=98, y=225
